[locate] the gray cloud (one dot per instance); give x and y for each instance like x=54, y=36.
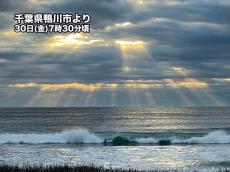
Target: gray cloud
x=188, y=34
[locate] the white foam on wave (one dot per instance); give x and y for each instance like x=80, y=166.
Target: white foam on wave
x=215, y=137
x=70, y=136
x=84, y=136
x=220, y=137
x=147, y=140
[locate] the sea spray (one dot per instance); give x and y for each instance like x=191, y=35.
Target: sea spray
x=215, y=137
x=69, y=136
x=83, y=136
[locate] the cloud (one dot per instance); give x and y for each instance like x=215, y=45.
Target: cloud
x=187, y=83
x=60, y=42
x=140, y=45
x=179, y=70
x=224, y=80
x=103, y=13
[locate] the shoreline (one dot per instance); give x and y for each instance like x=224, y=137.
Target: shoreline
x=80, y=168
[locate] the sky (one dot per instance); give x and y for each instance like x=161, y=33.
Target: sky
x=138, y=53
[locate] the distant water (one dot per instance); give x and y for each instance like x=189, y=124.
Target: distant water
x=199, y=137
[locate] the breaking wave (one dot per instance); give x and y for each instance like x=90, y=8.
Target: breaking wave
x=71, y=136
x=215, y=137
x=83, y=136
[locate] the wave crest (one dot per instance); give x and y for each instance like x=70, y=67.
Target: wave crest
x=83, y=136
x=215, y=137
x=70, y=136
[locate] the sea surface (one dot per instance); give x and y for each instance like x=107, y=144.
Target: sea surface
x=197, y=138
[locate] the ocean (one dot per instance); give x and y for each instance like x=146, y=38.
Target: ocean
x=153, y=138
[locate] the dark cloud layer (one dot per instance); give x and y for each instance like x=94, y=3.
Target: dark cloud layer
x=103, y=13
x=184, y=35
